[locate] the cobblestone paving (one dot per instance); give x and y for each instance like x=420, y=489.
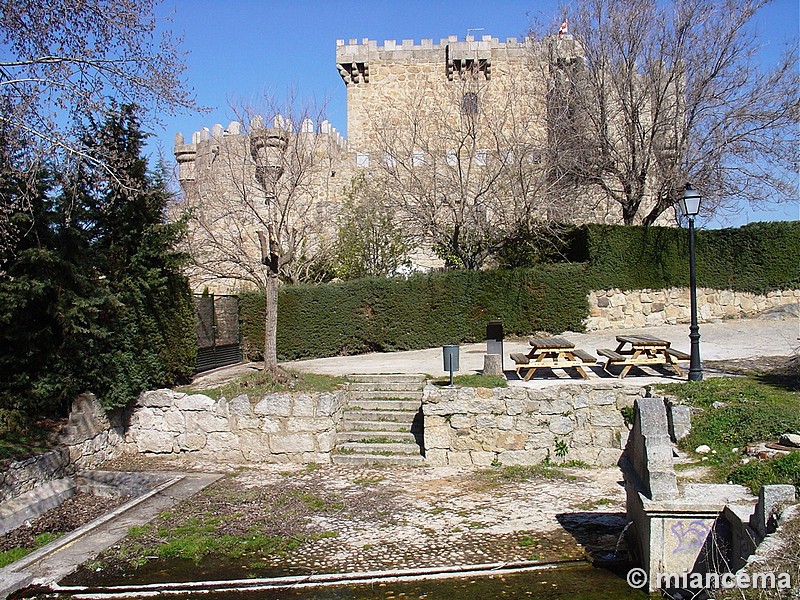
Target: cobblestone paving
x=421, y=517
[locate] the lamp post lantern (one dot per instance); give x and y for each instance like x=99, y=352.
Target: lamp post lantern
x=690, y=206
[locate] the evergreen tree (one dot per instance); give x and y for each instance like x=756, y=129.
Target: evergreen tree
x=91, y=297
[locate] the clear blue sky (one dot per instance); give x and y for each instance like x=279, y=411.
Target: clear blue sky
x=242, y=50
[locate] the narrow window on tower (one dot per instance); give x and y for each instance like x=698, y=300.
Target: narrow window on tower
x=469, y=103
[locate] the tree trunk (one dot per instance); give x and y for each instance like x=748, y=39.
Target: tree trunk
x=271, y=325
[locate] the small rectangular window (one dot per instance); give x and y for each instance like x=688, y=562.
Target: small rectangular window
x=417, y=158
x=469, y=103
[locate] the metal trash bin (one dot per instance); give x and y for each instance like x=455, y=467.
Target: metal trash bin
x=450, y=355
x=494, y=338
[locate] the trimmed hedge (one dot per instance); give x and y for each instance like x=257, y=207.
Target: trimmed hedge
x=369, y=315
x=425, y=311
x=757, y=258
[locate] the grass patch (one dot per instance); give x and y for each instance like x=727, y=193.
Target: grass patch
x=748, y=410
x=256, y=385
x=14, y=554
x=475, y=380
x=496, y=476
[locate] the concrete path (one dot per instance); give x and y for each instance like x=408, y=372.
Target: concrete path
x=740, y=338
x=58, y=559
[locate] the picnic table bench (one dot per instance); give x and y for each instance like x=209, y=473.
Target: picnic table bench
x=639, y=350
x=551, y=353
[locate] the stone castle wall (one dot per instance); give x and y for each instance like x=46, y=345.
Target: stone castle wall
x=614, y=308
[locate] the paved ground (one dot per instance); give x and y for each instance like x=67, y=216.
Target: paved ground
x=734, y=339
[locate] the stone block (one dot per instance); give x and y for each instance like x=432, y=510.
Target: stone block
x=219, y=442
x=174, y=421
x=540, y=439
x=679, y=419
x=328, y=404
x=505, y=422
x=206, y=421
x=482, y=458
x=277, y=405
x=303, y=406
x=291, y=443
x=581, y=401
x=326, y=441
x=270, y=425
x=459, y=459
x=771, y=500
x=438, y=437
x=522, y=457
x=606, y=417
x=191, y=442
x=493, y=364
x=602, y=398
x=511, y=441
x=560, y=425
x=159, y=398
x=459, y=422
x=308, y=424
x=555, y=407
x=254, y=446
x=195, y=402
x=484, y=421
x=155, y=442
x=240, y=406
x=436, y=457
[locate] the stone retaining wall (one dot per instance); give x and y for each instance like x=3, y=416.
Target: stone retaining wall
x=90, y=437
x=614, y=308
x=522, y=426
x=299, y=427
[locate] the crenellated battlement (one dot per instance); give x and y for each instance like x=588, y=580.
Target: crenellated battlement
x=409, y=49
x=207, y=142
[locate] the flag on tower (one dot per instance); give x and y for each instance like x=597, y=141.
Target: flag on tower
x=563, y=29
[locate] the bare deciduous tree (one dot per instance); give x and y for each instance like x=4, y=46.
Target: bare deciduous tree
x=462, y=166
x=62, y=59
x=258, y=207
x=670, y=93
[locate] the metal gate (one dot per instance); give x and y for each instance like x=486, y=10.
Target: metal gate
x=218, y=339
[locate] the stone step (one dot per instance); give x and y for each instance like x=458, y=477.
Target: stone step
x=390, y=437
x=400, y=386
x=368, y=425
x=387, y=395
x=381, y=459
x=411, y=406
x=379, y=449
x=406, y=417
x=389, y=378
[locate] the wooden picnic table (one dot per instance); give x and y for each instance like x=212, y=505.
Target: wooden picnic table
x=552, y=353
x=640, y=349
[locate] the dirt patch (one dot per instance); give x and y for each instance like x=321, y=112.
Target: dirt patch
x=70, y=515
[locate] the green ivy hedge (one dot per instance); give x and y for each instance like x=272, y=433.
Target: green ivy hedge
x=426, y=311
x=420, y=312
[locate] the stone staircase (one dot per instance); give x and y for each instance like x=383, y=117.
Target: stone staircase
x=382, y=422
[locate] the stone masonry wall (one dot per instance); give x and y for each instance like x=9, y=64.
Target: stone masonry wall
x=90, y=437
x=614, y=308
x=282, y=427
x=521, y=426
